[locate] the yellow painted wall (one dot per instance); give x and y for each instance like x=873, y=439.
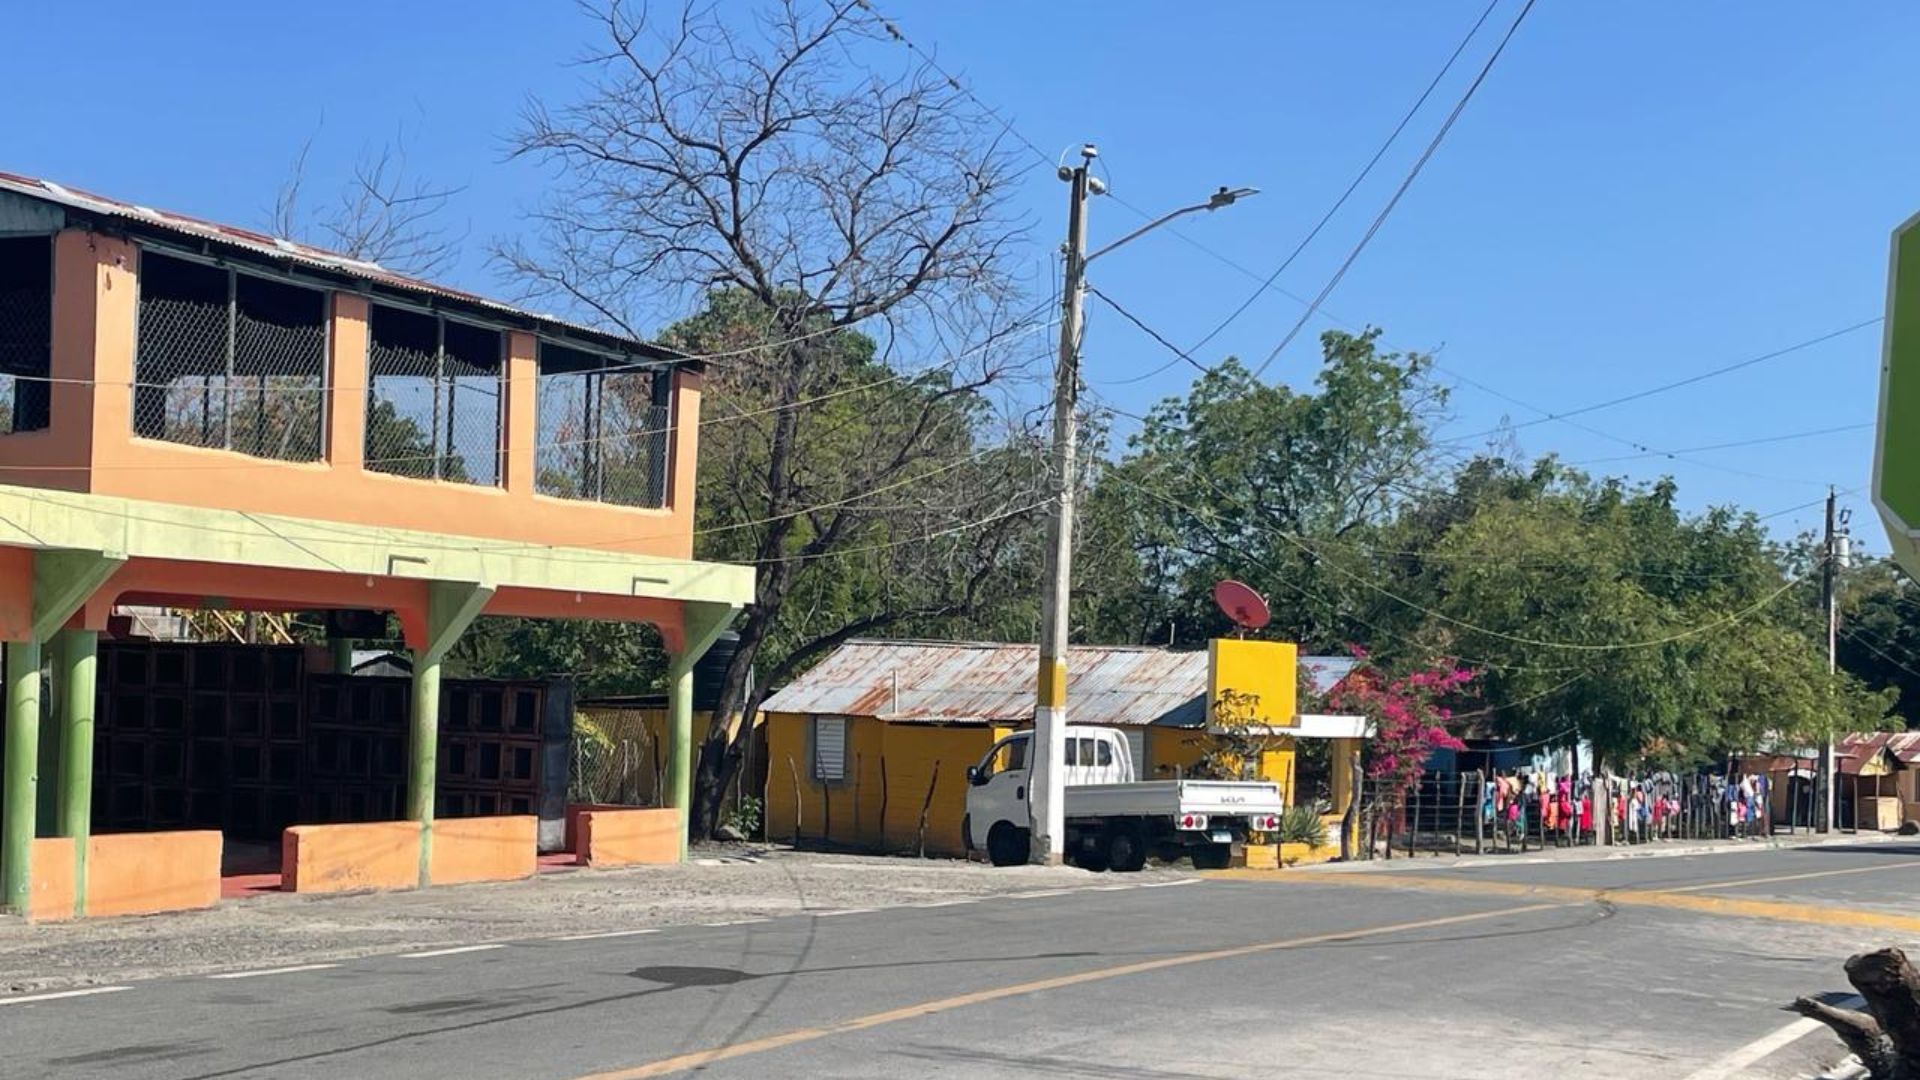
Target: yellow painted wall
x=1266, y=670
x=889, y=770
x=1168, y=747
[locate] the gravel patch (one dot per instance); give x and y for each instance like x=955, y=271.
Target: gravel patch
x=284, y=929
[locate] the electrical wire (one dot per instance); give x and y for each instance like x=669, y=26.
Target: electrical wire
x=1358, y=179
x=1663, y=387
x=1412, y=174
x=1760, y=441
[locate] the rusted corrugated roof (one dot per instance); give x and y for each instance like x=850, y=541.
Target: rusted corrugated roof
x=986, y=683
x=284, y=251
x=1861, y=746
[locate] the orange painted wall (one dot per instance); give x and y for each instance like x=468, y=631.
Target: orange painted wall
x=484, y=849
x=141, y=873
x=90, y=445
x=340, y=858
x=50, y=892
x=629, y=837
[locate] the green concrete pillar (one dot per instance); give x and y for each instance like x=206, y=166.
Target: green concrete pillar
x=75, y=684
x=423, y=762
x=680, y=740
x=18, y=801
x=342, y=655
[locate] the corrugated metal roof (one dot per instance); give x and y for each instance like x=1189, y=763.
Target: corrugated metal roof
x=986, y=683
x=1861, y=746
x=281, y=250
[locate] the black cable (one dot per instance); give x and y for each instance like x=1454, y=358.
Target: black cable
x=1412, y=174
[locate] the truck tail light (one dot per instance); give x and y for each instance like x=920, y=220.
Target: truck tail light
x=1264, y=823
x=1193, y=821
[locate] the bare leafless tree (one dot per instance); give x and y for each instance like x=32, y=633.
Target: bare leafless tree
x=384, y=213
x=801, y=172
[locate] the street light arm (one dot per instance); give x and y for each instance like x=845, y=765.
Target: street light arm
x=1223, y=197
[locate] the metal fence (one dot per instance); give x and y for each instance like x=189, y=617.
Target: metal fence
x=1467, y=812
x=433, y=397
x=26, y=333
x=617, y=759
x=229, y=360
x=604, y=426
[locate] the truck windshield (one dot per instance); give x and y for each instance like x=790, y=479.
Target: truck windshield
x=1009, y=756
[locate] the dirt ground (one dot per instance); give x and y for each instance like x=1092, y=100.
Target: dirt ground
x=275, y=929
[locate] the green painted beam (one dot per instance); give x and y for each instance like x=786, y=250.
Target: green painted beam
x=63, y=580
x=137, y=528
x=21, y=778
x=75, y=684
x=704, y=625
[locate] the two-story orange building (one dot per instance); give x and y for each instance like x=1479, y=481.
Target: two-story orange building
x=194, y=415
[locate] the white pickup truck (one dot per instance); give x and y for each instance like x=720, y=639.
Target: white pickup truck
x=1114, y=820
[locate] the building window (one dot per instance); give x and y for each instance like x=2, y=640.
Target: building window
x=26, y=333
x=602, y=428
x=433, y=397
x=830, y=749
x=229, y=360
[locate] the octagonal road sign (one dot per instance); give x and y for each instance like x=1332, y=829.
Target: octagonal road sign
x=1896, y=446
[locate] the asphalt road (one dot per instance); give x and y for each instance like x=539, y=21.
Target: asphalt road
x=1585, y=969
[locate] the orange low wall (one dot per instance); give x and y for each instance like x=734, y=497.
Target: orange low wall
x=574, y=810
x=627, y=837
x=50, y=893
x=128, y=874
x=341, y=858
x=484, y=849
x=141, y=873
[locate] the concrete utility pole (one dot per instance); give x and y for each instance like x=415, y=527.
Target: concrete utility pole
x=1048, y=773
x=1826, y=781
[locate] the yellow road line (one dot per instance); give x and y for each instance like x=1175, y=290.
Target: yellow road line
x=699, y=1058
x=1906, y=864
x=1685, y=898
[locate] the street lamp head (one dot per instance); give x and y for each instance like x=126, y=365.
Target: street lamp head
x=1228, y=196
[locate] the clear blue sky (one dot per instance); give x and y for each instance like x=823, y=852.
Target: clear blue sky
x=1642, y=190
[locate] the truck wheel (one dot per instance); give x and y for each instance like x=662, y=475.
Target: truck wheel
x=1126, y=851
x=1212, y=856
x=1006, y=845
x=1093, y=858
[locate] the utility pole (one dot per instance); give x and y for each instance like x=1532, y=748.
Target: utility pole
x=1825, y=818
x=1048, y=771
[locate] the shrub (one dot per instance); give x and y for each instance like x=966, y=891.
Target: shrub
x=1302, y=825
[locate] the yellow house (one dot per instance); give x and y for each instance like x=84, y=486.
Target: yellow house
x=869, y=749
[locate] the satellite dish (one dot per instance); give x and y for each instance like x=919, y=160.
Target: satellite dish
x=1241, y=604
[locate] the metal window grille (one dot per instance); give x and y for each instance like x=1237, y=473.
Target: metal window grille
x=830, y=748
x=603, y=427
x=229, y=360
x=433, y=397
x=26, y=333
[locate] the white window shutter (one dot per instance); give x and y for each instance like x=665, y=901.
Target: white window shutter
x=830, y=748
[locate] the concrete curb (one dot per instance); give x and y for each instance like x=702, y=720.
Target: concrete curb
x=1590, y=854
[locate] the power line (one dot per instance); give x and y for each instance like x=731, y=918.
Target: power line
x=1760, y=441
x=1178, y=352
x=1358, y=179
x=1591, y=430
x=1664, y=387
x=1412, y=174
x=1463, y=624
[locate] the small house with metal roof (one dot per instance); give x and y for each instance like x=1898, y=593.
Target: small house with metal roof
x=869, y=748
